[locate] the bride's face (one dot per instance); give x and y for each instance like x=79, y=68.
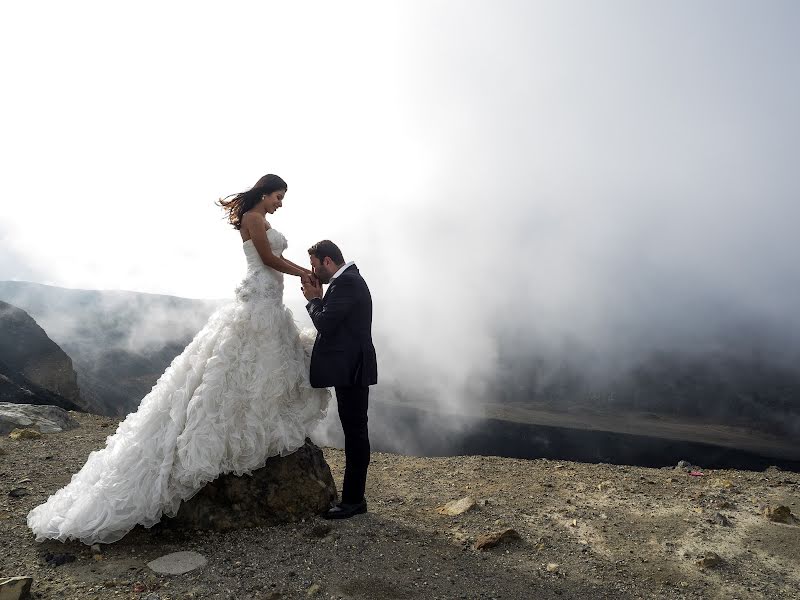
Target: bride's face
x=272, y=202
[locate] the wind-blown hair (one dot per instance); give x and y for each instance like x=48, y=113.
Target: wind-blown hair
x=236, y=205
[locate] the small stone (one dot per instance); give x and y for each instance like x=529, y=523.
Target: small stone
x=314, y=589
x=604, y=485
x=490, y=540
x=552, y=567
x=780, y=514
x=24, y=434
x=721, y=519
x=320, y=530
x=15, y=588
x=683, y=464
x=18, y=492
x=56, y=560
x=96, y=549
x=709, y=559
x=457, y=507
x=177, y=563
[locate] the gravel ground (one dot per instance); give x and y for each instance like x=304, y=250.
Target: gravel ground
x=585, y=531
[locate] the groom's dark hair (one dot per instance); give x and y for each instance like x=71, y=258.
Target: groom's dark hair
x=326, y=248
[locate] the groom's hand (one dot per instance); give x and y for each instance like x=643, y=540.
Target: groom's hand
x=311, y=287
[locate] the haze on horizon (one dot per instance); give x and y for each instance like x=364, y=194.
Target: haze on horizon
x=623, y=174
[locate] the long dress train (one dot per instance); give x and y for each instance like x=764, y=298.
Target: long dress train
x=238, y=394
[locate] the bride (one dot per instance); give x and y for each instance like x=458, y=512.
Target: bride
x=238, y=394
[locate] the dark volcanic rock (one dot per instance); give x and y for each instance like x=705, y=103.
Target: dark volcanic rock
x=26, y=349
x=286, y=489
x=17, y=389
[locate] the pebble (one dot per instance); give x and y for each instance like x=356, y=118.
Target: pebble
x=177, y=563
x=24, y=434
x=457, y=507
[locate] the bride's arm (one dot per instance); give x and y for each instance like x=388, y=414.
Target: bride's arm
x=257, y=228
x=306, y=271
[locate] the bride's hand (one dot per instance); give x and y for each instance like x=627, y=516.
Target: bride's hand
x=311, y=287
x=310, y=277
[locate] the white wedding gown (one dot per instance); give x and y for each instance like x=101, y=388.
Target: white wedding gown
x=238, y=394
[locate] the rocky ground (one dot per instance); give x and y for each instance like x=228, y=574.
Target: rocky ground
x=582, y=531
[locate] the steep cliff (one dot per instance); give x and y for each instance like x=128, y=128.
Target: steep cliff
x=16, y=388
x=32, y=360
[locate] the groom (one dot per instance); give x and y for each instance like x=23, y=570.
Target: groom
x=343, y=358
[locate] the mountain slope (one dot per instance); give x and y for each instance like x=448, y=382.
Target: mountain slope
x=16, y=388
x=120, y=342
x=31, y=359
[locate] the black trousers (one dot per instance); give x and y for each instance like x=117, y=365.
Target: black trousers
x=352, y=403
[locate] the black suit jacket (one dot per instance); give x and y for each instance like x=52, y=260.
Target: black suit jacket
x=343, y=354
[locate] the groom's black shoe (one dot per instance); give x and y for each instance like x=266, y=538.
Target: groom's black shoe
x=345, y=511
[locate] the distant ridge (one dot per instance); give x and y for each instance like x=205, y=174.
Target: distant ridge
x=120, y=341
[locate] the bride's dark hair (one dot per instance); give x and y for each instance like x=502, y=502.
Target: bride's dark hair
x=238, y=204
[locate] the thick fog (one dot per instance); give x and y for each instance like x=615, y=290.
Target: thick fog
x=599, y=183
x=561, y=181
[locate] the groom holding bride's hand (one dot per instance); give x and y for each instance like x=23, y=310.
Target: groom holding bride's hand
x=343, y=358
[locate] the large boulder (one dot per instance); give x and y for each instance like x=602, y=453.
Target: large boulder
x=45, y=419
x=286, y=489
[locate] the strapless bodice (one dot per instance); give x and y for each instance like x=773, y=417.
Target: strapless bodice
x=277, y=242
x=262, y=281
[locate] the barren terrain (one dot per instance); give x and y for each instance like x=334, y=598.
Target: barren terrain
x=584, y=530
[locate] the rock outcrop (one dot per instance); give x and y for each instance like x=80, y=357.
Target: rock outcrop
x=45, y=419
x=286, y=489
x=26, y=349
x=16, y=388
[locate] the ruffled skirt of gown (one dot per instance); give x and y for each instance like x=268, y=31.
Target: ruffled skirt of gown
x=238, y=394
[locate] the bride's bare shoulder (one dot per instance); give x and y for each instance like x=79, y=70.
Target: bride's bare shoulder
x=254, y=225
x=253, y=220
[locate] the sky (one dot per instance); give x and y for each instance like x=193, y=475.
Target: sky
x=622, y=172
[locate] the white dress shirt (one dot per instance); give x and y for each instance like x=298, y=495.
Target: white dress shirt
x=341, y=270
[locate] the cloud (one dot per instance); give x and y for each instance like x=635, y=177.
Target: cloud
x=590, y=182
x=14, y=265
